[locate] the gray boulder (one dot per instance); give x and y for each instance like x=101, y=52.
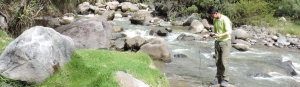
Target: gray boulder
x=36, y=54
x=190, y=19
x=241, y=47
x=135, y=43
x=196, y=27
x=157, y=49
x=88, y=34
x=141, y=17
x=240, y=34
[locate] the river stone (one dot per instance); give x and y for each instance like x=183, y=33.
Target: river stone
x=162, y=32
x=196, y=26
x=190, y=19
x=282, y=40
x=135, y=43
x=290, y=68
x=127, y=80
x=240, y=34
x=112, y=5
x=88, y=34
x=36, y=54
x=184, y=37
x=83, y=8
x=241, y=47
x=157, y=49
x=180, y=56
x=141, y=17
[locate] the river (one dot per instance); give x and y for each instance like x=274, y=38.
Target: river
x=260, y=66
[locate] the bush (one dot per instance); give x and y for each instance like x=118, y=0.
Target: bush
x=290, y=8
x=190, y=10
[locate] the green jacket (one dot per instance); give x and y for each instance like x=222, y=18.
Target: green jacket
x=222, y=25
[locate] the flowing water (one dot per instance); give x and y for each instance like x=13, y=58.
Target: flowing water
x=260, y=66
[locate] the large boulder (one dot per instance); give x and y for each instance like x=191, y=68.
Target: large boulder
x=83, y=8
x=196, y=27
x=112, y=5
x=36, y=54
x=88, y=34
x=190, y=19
x=135, y=43
x=141, y=17
x=184, y=37
x=240, y=34
x=157, y=49
x=127, y=6
x=105, y=16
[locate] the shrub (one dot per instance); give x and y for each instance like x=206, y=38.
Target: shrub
x=190, y=10
x=290, y=8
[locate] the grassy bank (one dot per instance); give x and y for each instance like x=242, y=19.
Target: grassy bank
x=288, y=28
x=97, y=68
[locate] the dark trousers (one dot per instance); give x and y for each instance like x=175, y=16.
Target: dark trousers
x=222, y=51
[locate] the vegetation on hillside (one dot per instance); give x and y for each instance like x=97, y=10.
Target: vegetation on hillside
x=20, y=14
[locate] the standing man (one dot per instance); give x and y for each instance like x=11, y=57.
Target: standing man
x=222, y=34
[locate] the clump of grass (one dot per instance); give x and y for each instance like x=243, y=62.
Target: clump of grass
x=96, y=68
x=289, y=28
x=5, y=39
x=6, y=82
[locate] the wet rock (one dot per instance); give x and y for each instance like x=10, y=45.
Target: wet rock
x=162, y=32
x=240, y=34
x=119, y=44
x=288, y=65
x=196, y=26
x=112, y=5
x=140, y=17
x=241, y=47
x=135, y=43
x=152, y=32
x=259, y=75
x=88, y=34
x=185, y=37
x=180, y=56
x=83, y=8
x=190, y=19
x=157, y=49
x=168, y=29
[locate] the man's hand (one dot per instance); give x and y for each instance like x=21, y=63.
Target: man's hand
x=213, y=35
x=204, y=37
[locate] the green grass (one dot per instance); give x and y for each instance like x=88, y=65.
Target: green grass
x=97, y=68
x=5, y=39
x=288, y=28
x=94, y=68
